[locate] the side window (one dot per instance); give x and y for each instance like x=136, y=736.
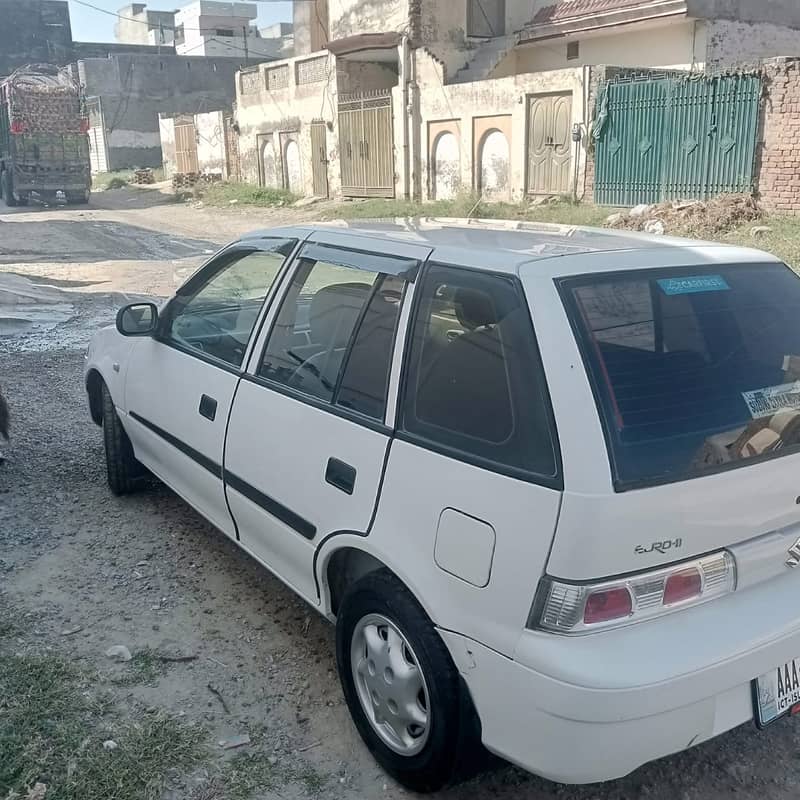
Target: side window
x=334, y=335
x=365, y=380
x=217, y=316
x=475, y=385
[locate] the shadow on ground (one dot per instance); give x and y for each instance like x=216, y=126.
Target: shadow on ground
x=91, y=240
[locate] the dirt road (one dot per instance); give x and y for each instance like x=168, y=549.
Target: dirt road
x=82, y=571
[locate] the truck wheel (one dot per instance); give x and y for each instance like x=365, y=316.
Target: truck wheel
x=124, y=471
x=7, y=190
x=401, y=686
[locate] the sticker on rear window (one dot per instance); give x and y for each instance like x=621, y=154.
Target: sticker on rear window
x=768, y=401
x=693, y=285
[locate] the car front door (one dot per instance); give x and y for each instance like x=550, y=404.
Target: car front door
x=180, y=383
x=310, y=429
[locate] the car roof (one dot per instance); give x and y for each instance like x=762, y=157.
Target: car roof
x=507, y=245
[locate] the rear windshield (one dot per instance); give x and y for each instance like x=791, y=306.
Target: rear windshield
x=694, y=370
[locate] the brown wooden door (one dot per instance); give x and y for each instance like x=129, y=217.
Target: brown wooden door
x=549, y=144
x=186, y=146
x=319, y=159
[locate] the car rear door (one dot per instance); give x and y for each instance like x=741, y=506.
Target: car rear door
x=472, y=489
x=308, y=434
x=180, y=383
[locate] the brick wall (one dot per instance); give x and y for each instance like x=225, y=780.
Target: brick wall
x=778, y=157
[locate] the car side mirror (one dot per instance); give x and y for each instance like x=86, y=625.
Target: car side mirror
x=137, y=319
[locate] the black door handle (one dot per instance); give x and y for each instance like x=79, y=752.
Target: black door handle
x=341, y=475
x=208, y=407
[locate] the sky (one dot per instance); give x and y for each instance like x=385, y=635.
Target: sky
x=89, y=25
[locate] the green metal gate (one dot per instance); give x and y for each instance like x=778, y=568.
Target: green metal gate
x=675, y=138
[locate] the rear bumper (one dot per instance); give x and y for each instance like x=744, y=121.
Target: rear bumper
x=595, y=708
x=51, y=187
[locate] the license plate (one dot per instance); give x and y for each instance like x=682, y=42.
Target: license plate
x=777, y=692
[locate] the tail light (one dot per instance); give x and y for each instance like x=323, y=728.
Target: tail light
x=84, y=126
x=571, y=608
x=17, y=126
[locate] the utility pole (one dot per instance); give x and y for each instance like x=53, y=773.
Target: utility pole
x=246, y=54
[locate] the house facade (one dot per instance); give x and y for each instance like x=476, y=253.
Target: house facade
x=423, y=99
x=204, y=28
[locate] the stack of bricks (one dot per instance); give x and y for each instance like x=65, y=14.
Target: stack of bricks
x=778, y=165
x=188, y=180
x=143, y=177
x=184, y=180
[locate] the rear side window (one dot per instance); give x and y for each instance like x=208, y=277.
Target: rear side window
x=475, y=387
x=694, y=369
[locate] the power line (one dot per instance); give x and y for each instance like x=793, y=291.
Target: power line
x=162, y=26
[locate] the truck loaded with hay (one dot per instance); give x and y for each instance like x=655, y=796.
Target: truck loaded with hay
x=44, y=147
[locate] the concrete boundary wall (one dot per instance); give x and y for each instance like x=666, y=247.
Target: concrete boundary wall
x=271, y=118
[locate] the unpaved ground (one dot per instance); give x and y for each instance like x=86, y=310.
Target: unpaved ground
x=93, y=571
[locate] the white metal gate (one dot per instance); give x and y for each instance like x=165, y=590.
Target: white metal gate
x=98, y=147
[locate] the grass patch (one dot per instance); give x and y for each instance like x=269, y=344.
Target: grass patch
x=249, y=773
x=104, y=181
x=783, y=240
x=558, y=211
x=225, y=194
x=145, y=668
x=112, y=180
x=52, y=730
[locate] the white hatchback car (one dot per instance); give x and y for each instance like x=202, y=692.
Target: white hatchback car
x=545, y=480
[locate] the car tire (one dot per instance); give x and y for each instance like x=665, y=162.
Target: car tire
x=425, y=756
x=6, y=190
x=125, y=473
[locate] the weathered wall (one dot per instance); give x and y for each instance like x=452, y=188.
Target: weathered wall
x=349, y=17
x=463, y=108
x=311, y=26
x=675, y=44
x=364, y=75
x=775, y=12
x=135, y=89
x=443, y=31
x=34, y=31
x=166, y=125
x=518, y=13
x=210, y=142
x=269, y=119
x=105, y=49
x=778, y=161
x=733, y=43
x=136, y=23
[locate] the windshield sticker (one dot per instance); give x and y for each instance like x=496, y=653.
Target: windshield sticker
x=768, y=401
x=700, y=283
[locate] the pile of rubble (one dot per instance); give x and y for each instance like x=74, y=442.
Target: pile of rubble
x=143, y=177
x=691, y=218
x=188, y=180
